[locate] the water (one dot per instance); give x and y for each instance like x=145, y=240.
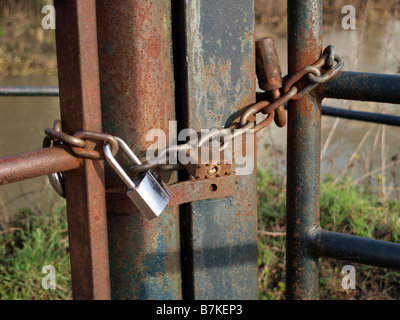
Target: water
x=23, y=120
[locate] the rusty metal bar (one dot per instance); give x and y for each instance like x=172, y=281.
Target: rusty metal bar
x=196, y=190
x=303, y=166
x=364, y=87
x=346, y=247
x=37, y=163
x=137, y=87
x=78, y=72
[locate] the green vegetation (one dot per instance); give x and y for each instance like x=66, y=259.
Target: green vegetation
x=34, y=240
x=344, y=209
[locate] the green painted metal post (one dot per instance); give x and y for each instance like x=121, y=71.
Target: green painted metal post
x=218, y=72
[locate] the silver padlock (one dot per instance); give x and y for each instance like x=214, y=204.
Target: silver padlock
x=147, y=191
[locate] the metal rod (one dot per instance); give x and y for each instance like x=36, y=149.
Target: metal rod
x=372, y=252
x=196, y=190
x=303, y=167
x=363, y=87
x=7, y=91
x=137, y=88
x=78, y=71
x=373, y=117
x=326, y=110
x=36, y=163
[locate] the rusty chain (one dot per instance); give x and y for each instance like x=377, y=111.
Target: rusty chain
x=294, y=88
x=77, y=142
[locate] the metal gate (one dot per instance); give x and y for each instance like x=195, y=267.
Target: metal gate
x=127, y=66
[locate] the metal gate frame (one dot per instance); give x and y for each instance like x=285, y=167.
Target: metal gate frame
x=116, y=74
x=215, y=257
x=306, y=240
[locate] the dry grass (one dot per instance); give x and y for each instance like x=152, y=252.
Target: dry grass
x=25, y=48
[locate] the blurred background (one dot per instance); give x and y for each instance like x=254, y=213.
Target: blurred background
x=360, y=188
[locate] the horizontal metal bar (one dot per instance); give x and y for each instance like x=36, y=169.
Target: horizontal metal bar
x=364, y=87
x=36, y=163
x=356, y=249
x=196, y=190
x=7, y=91
x=373, y=117
x=326, y=110
x=380, y=118
x=348, y=85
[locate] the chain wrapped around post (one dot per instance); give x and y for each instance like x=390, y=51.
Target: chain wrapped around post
x=55, y=136
x=292, y=88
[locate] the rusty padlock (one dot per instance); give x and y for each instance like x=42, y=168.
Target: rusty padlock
x=269, y=74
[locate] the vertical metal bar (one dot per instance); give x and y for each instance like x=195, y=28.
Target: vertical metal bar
x=303, y=167
x=78, y=70
x=137, y=89
x=220, y=235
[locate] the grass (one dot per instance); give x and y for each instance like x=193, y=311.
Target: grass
x=344, y=209
x=34, y=240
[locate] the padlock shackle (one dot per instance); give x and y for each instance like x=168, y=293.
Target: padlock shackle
x=128, y=151
x=116, y=166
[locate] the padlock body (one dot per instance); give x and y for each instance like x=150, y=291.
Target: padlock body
x=151, y=194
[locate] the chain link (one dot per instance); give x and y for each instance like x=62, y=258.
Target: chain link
x=77, y=142
x=56, y=179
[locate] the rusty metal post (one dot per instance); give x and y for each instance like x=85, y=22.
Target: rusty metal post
x=78, y=71
x=217, y=79
x=303, y=166
x=137, y=88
